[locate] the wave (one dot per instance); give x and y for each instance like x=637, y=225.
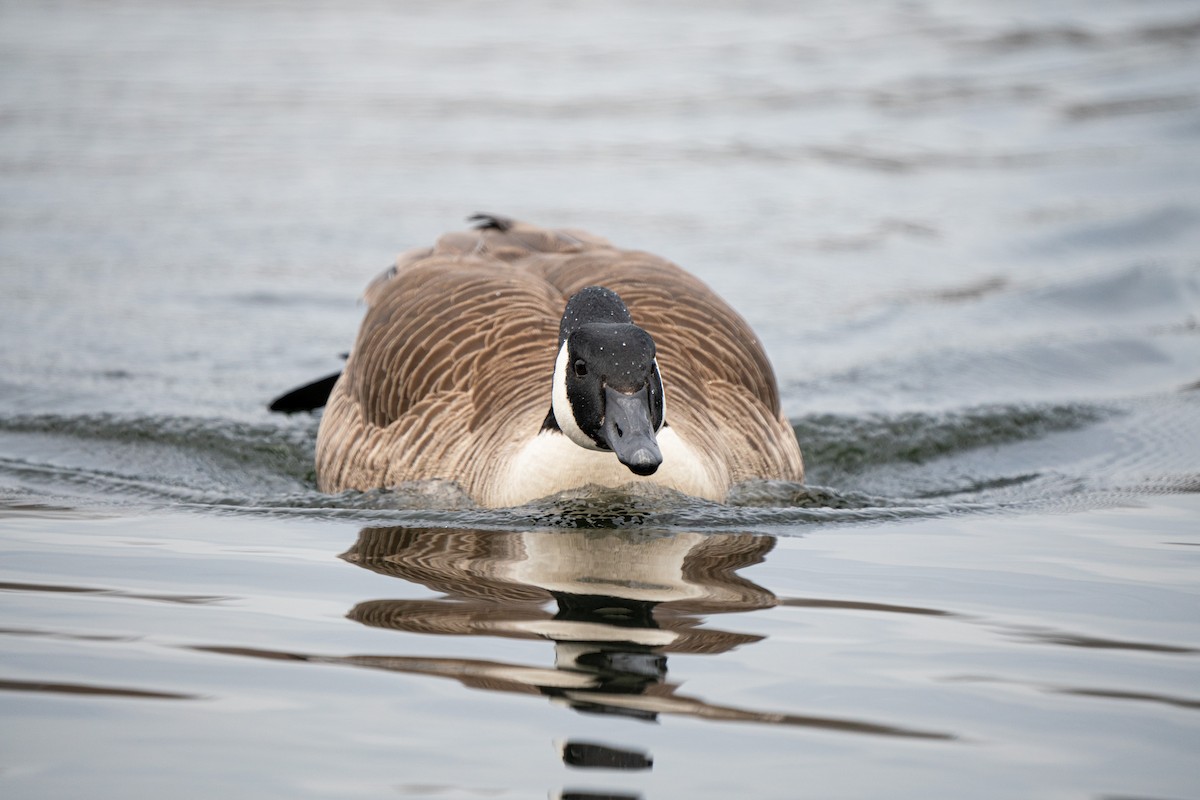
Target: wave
x=169, y=458
x=862, y=468
x=840, y=446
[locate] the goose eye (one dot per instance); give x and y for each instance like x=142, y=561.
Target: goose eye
x=580, y=367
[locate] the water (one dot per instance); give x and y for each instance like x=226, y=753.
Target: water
x=966, y=233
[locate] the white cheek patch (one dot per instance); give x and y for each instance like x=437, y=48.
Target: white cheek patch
x=662, y=392
x=564, y=415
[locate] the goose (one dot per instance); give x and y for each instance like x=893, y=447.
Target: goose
x=520, y=362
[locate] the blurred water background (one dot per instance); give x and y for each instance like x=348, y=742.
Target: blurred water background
x=967, y=233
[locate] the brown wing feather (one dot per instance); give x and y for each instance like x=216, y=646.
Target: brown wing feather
x=444, y=339
x=453, y=361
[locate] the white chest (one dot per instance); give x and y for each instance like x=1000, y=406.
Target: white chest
x=552, y=463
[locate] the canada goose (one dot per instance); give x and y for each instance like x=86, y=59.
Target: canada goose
x=520, y=362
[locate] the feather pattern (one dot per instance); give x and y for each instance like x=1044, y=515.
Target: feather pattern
x=450, y=377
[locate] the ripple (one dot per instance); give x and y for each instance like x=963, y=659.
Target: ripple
x=1098, y=643
x=863, y=468
x=9, y=586
x=91, y=689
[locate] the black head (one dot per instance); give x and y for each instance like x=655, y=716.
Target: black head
x=608, y=394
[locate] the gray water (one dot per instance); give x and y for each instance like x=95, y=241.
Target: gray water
x=967, y=234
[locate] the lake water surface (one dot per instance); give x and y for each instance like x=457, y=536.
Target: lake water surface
x=967, y=233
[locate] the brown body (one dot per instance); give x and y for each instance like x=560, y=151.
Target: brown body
x=450, y=377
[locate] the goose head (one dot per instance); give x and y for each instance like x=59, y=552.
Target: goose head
x=608, y=394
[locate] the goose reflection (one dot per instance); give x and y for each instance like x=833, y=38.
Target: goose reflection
x=615, y=604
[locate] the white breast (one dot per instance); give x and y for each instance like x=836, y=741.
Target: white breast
x=552, y=463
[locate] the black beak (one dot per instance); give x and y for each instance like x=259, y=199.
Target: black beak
x=628, y=431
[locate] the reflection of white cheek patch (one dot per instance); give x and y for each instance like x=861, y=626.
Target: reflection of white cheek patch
x=563, y=413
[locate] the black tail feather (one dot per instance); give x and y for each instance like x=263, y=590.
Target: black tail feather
x=484, y=222
x=309, y=397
